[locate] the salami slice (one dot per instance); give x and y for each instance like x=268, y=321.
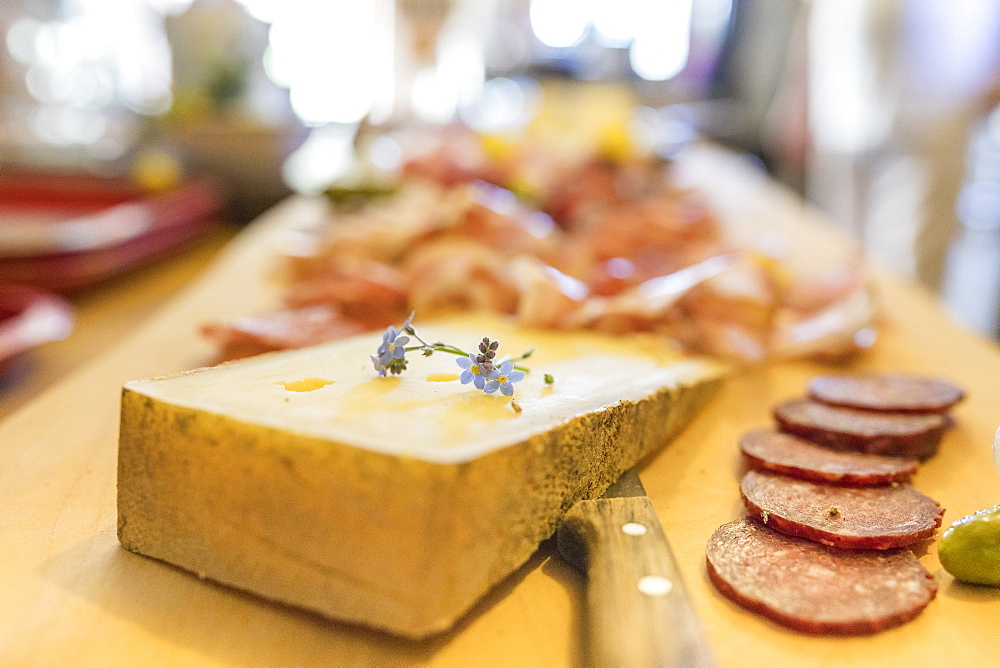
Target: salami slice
x=886, y=392
x=849, y=517
x=813, y=588
x=767, y=449
x=914, y=435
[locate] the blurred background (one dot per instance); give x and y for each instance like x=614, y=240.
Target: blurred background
x=882, y=113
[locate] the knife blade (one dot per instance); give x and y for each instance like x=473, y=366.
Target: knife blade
x=638, y=610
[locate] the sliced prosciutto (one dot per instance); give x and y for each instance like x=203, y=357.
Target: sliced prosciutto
x=848, y=517
x=280, y=330
x=813, y=588
x=608, y=242
x=770, y=450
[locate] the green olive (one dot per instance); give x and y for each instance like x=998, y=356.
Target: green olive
x=970, y=548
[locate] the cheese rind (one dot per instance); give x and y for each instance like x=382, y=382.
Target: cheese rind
x=405, y=523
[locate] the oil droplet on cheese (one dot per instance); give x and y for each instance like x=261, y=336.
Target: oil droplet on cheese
x=442, y=377
x=306, y=384
x=480, y=407
x=370, y=395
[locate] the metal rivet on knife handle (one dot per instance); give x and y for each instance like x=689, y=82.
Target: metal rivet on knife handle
x=655, y=585
x=634, y=529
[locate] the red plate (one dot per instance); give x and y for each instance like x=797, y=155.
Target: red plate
x=63, y=233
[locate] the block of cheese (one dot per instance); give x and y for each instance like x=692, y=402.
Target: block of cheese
x=395, y=502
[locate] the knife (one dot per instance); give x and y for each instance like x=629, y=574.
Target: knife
x=638, y=612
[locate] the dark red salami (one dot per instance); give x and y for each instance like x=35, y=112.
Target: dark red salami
x=914, y=435
x=850, y=517
x=767, y=449
x=814, y=588
x=886, y=392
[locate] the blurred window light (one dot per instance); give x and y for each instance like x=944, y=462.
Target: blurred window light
x=330, y=56
x=385, y=153
x=112, y=146
x=70, y=44
x=711, y=16
x=663, y=40
x=45, y=125
x=326, y=155
x=460, y=63
x=616, y=21
x=79, y=126
x=559, y=23
x=505, y=105
x=63, y=126
x=849, y=111
x=92, y=89
x=127, y=37
x=93, y=55
x=951, y=51
x=164, y=7
x=43, y=84
x=433, y=100
x=266, y=11
x=274, y=67
x=122, y=37
x=22, y=38
x=45, y=44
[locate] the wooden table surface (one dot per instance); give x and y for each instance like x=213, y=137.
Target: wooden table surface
x=70, y=595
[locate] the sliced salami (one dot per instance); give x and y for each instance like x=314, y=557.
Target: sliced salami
x=848, y=517
x=767, y=449
x=886, y=392
x=813, y=588
x=914, y=435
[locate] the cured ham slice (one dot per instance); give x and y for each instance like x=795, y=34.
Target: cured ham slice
x=848, y=517
x=886, y=392
x=813, y=588
x=835, y=330
x=548, y=297
x=767, y=449
x=456, y=274
x=894, y=434
x=280, y=330
x=651, y=299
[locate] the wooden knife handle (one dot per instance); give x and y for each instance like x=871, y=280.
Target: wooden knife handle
x=639, y=613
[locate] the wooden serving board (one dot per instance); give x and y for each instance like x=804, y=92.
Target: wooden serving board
x=70, y=595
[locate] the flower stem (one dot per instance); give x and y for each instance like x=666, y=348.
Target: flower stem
x=438, y=346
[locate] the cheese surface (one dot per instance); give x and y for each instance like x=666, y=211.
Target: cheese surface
x=333, y=392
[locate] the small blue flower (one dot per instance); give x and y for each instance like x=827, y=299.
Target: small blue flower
x=390, y=355
x=503, y=379
x=377, y=363
x=473, y=372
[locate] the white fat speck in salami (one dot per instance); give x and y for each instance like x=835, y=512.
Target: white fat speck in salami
x=814, y=588
x=848, y=517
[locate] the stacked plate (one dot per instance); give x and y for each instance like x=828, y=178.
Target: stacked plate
x=66, y=232
x=59, y=233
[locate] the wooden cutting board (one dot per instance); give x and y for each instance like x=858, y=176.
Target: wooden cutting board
x=70, y=595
